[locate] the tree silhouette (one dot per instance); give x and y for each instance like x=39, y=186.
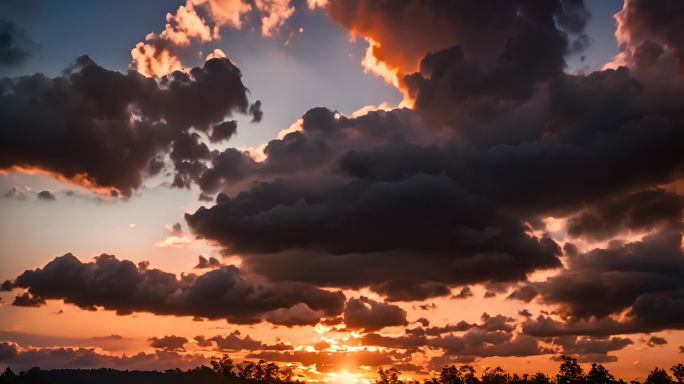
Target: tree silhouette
x=223, y=366
x=223, y=370
x=658, y=376
x=389, y=376
x=569, y=372
x=8, y=373
x=495, y=376
x=598, y=374
x=678, y=372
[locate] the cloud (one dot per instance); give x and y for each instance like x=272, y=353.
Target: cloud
x=23, y=358
x=479, y=342
x=45, y=195
x=233, y=342
x=504, y=33
x=15, y=46
x=109, y=130
x=298, y=314
x=205, y=263
x=28, y=300
x=641, y=211
x=464, y=293
x=369, y=315
x=647, y=33
x=525, y=293
x=6, y=286
x=449, y=328
x=121, y=286
x=411, y=340
x=656, y=340
x=607, y=281
x=199, y=21
x=169, y=343
x=591, y=349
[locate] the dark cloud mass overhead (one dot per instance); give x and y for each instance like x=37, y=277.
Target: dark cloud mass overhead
x=106, y=129
x=121, y=286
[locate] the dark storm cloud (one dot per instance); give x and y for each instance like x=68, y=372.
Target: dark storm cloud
x=411, y=340
x=643, y=278
x=410, y=210
x=494, y=336
x=449, y=328
x=298, y=314
x=591, y=349
x=19, y=358
x=514, y=32
x=369, y=315
x=233, y=342
x=102, y=128
x=45, y=195
x=525, y=293
x=656, y=340
x=6, y=286
x=606, y=281
x=524, y=313
x=650, y=22
x=371, y=232
x=15, y=46
x=204, y=263
x=479, y=342
x=464, y=293
x=223, y=131
x=121, y=286
x=169, y=343
x=640, y=211
x=28, y=300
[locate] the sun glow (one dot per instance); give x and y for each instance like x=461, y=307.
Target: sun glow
x=345, y=377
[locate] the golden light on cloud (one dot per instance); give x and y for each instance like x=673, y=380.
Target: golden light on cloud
x=80, y=179
x=371, y=64
x=185, y=25
x=173, y=241
x=216, y=54
x=152, y=61
x=277, y=11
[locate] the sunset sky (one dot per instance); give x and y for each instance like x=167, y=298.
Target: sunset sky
x=342, y=185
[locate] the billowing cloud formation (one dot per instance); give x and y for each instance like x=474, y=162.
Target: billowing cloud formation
x=643, y=277
x=233, y=342
x=512, y=34
x=200, y=21
x=205, y=263
x=413, y=202
x=588, y=349
x=108, y=130
x=648, y=32
x=15, y=46
x=121, y=286
x=22, y=358
x=169, y=343
x=369, y=315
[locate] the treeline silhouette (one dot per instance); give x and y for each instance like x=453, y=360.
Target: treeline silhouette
x=222, y=370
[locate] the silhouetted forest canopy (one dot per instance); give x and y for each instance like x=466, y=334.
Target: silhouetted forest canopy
x=223, y=370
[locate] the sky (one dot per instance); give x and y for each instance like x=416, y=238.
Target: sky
x=342, y=185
